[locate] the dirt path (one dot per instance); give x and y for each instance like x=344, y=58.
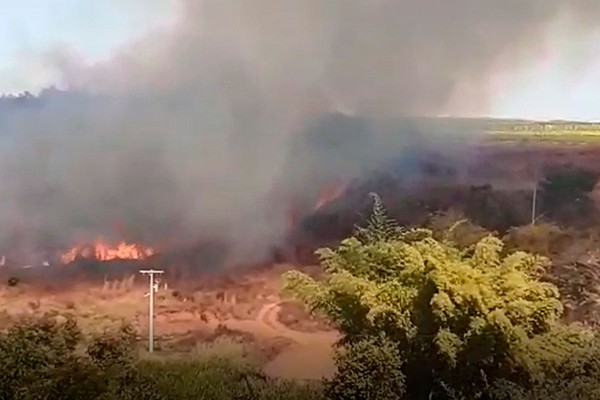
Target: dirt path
x=310, y=357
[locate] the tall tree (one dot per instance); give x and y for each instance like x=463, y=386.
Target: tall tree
x=457, y=319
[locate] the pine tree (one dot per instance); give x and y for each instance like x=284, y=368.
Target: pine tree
x=380, y=226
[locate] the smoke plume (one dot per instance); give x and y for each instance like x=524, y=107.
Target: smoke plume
x=186, y=132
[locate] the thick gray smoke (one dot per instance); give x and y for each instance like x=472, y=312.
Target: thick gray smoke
x=194, y=123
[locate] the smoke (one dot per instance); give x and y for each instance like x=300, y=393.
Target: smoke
x=190, y=128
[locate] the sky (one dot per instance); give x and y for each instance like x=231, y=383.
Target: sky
x=553, y=88
x=91, y=27
x=548, y=89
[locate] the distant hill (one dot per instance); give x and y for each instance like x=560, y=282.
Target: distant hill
x=54, y=96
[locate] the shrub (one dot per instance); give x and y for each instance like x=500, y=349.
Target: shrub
x=574, y=377
x=40, y=359
x=454, y=227
x=34, y=352
x=369, y=369
x=543, y=238
x=219, y=378
x=565, y=193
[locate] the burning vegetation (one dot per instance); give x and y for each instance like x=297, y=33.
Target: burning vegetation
x=100, y=250
x=329, y=194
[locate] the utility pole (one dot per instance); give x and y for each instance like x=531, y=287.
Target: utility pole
x=533, y=204
x=153, y=288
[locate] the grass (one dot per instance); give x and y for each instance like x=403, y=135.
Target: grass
x=503, y=130
x=563, y=137
x=550, y=131
x=220, y=378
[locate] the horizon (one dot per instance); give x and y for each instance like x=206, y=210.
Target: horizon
x=37, y=94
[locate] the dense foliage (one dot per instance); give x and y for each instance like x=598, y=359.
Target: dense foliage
x=449, y=320
x=42, y=359
x=565, y=193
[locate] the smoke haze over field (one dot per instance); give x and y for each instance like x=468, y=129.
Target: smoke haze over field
x=194, y=122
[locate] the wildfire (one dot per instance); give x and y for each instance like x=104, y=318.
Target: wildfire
x=102, y=251
x=330, y=193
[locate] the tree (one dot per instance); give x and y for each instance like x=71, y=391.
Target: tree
x=565, y=193
x=34, y=350
x=39, y=360
x=369, y=369
x=461, y=319
x=379, y=226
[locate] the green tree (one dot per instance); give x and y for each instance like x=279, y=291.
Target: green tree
x=460, y=319
x=380, y=226
x=40, y=359
x=369, y=369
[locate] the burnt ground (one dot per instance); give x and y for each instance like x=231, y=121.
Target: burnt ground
x=492, y=186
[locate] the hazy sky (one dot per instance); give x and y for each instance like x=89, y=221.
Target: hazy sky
x=91, y=27
x=554, y=88
x=550, y=88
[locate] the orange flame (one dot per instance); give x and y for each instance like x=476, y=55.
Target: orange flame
x=102, y=251
x=293, y=215
x=329, y=194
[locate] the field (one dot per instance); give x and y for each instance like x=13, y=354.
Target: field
x=501, y=130
x=247, y=319
x=553, y=131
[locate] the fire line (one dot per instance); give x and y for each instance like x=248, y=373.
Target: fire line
x=102, y=251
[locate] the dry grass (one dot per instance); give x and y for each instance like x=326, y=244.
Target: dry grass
x=221, y=319
x=117, y=287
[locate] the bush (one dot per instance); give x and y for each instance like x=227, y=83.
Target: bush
x=218, y=378
x=369, y=369
x=36, y=353
x=454, y=227
x=565, y=193
x=543, y=238
x=40, y=359
x=575, y=377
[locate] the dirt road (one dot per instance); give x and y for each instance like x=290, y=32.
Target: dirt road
x=310, y=355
